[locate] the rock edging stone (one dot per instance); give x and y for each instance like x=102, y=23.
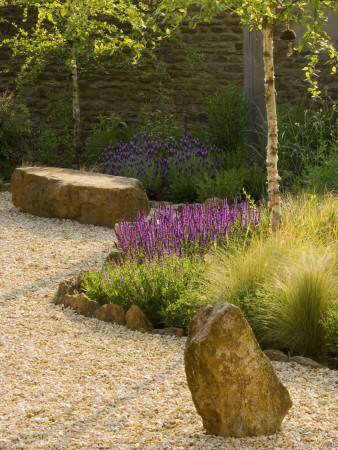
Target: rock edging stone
x=70, y=296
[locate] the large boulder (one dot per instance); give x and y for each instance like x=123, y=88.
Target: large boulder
x=232, y=383
x=87, y=197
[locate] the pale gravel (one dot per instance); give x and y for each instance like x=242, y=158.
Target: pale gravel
x=69, y=382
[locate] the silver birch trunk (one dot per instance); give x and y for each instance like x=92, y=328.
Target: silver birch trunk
x=76, y=104
x=270, y=100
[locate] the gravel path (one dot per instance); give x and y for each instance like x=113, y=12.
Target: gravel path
x=68, y=382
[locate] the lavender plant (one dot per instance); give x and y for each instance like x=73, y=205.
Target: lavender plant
x=163, y=165
x=193, y=232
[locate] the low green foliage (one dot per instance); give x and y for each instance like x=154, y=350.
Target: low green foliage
x=54, y=137
x=161, y=122
x=228, y=117
x=152, y=286
x=109, y=131
x=229, y=183
x=180, y=312
x=330, y=324
x=15, y=133
x=308, y=145
x=324, y=177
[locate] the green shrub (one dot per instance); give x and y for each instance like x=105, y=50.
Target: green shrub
x=54, y=145
x=54, y=135
x=184, y=189
x=324, y=177
x=229, y=183
x=228, y=116
x=109, y=131
x=15, y=133
x=225, y=184
x=306, y=137
x=179, y=313
x=161, y=121
x=330, y=324
x=151, y=286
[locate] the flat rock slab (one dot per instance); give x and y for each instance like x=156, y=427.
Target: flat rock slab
x=86, y=197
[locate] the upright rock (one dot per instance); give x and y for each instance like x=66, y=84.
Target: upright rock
x=111, y=313
x=232, y=383
x=136, y=320
x=87, y=197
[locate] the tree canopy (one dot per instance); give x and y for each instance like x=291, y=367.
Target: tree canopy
x=97, y=28
x=265, y=15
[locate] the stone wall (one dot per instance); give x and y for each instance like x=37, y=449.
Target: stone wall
x=125, y=92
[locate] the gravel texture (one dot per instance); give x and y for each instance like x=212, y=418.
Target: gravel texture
x=69, y=382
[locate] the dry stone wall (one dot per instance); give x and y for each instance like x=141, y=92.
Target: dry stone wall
x=125, y=92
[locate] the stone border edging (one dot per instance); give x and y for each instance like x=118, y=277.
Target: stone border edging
x=70, y=296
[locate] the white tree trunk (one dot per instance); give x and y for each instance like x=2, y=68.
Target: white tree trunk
x=270, y=100
x=76, y=104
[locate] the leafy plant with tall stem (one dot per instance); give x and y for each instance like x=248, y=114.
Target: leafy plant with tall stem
x=79, y=31
x=265, y=15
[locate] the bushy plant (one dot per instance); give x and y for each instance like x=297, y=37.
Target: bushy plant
x=54, y=135
x=160, y=122
x=110, y=130
x=15, y=133
x=152, y=286
x=229, y=183
x=307, y=135
x=293, y=304
x=330, y=324
x=324, y=177
x=228, y=117
x=286, y=285
x=179, y=313
x=194, y=231
x=160, y=164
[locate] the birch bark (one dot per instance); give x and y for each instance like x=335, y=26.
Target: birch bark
x=272, y=150
x=76, y=103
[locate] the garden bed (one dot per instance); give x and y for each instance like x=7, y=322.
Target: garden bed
x=76, y=382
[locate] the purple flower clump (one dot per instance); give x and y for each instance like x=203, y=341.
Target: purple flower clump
x=191, y=232
x=158, y=163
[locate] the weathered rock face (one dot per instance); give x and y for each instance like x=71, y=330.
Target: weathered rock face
x=5, y=187
x=86, y=306
x=69, y=287
x=171, y=331
x=83, y=196
x=276, y=355
x=70, y=301
x=307, y=362
x=81, y=303
x=137, y=321
x=111, y=313
x=233, y=384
